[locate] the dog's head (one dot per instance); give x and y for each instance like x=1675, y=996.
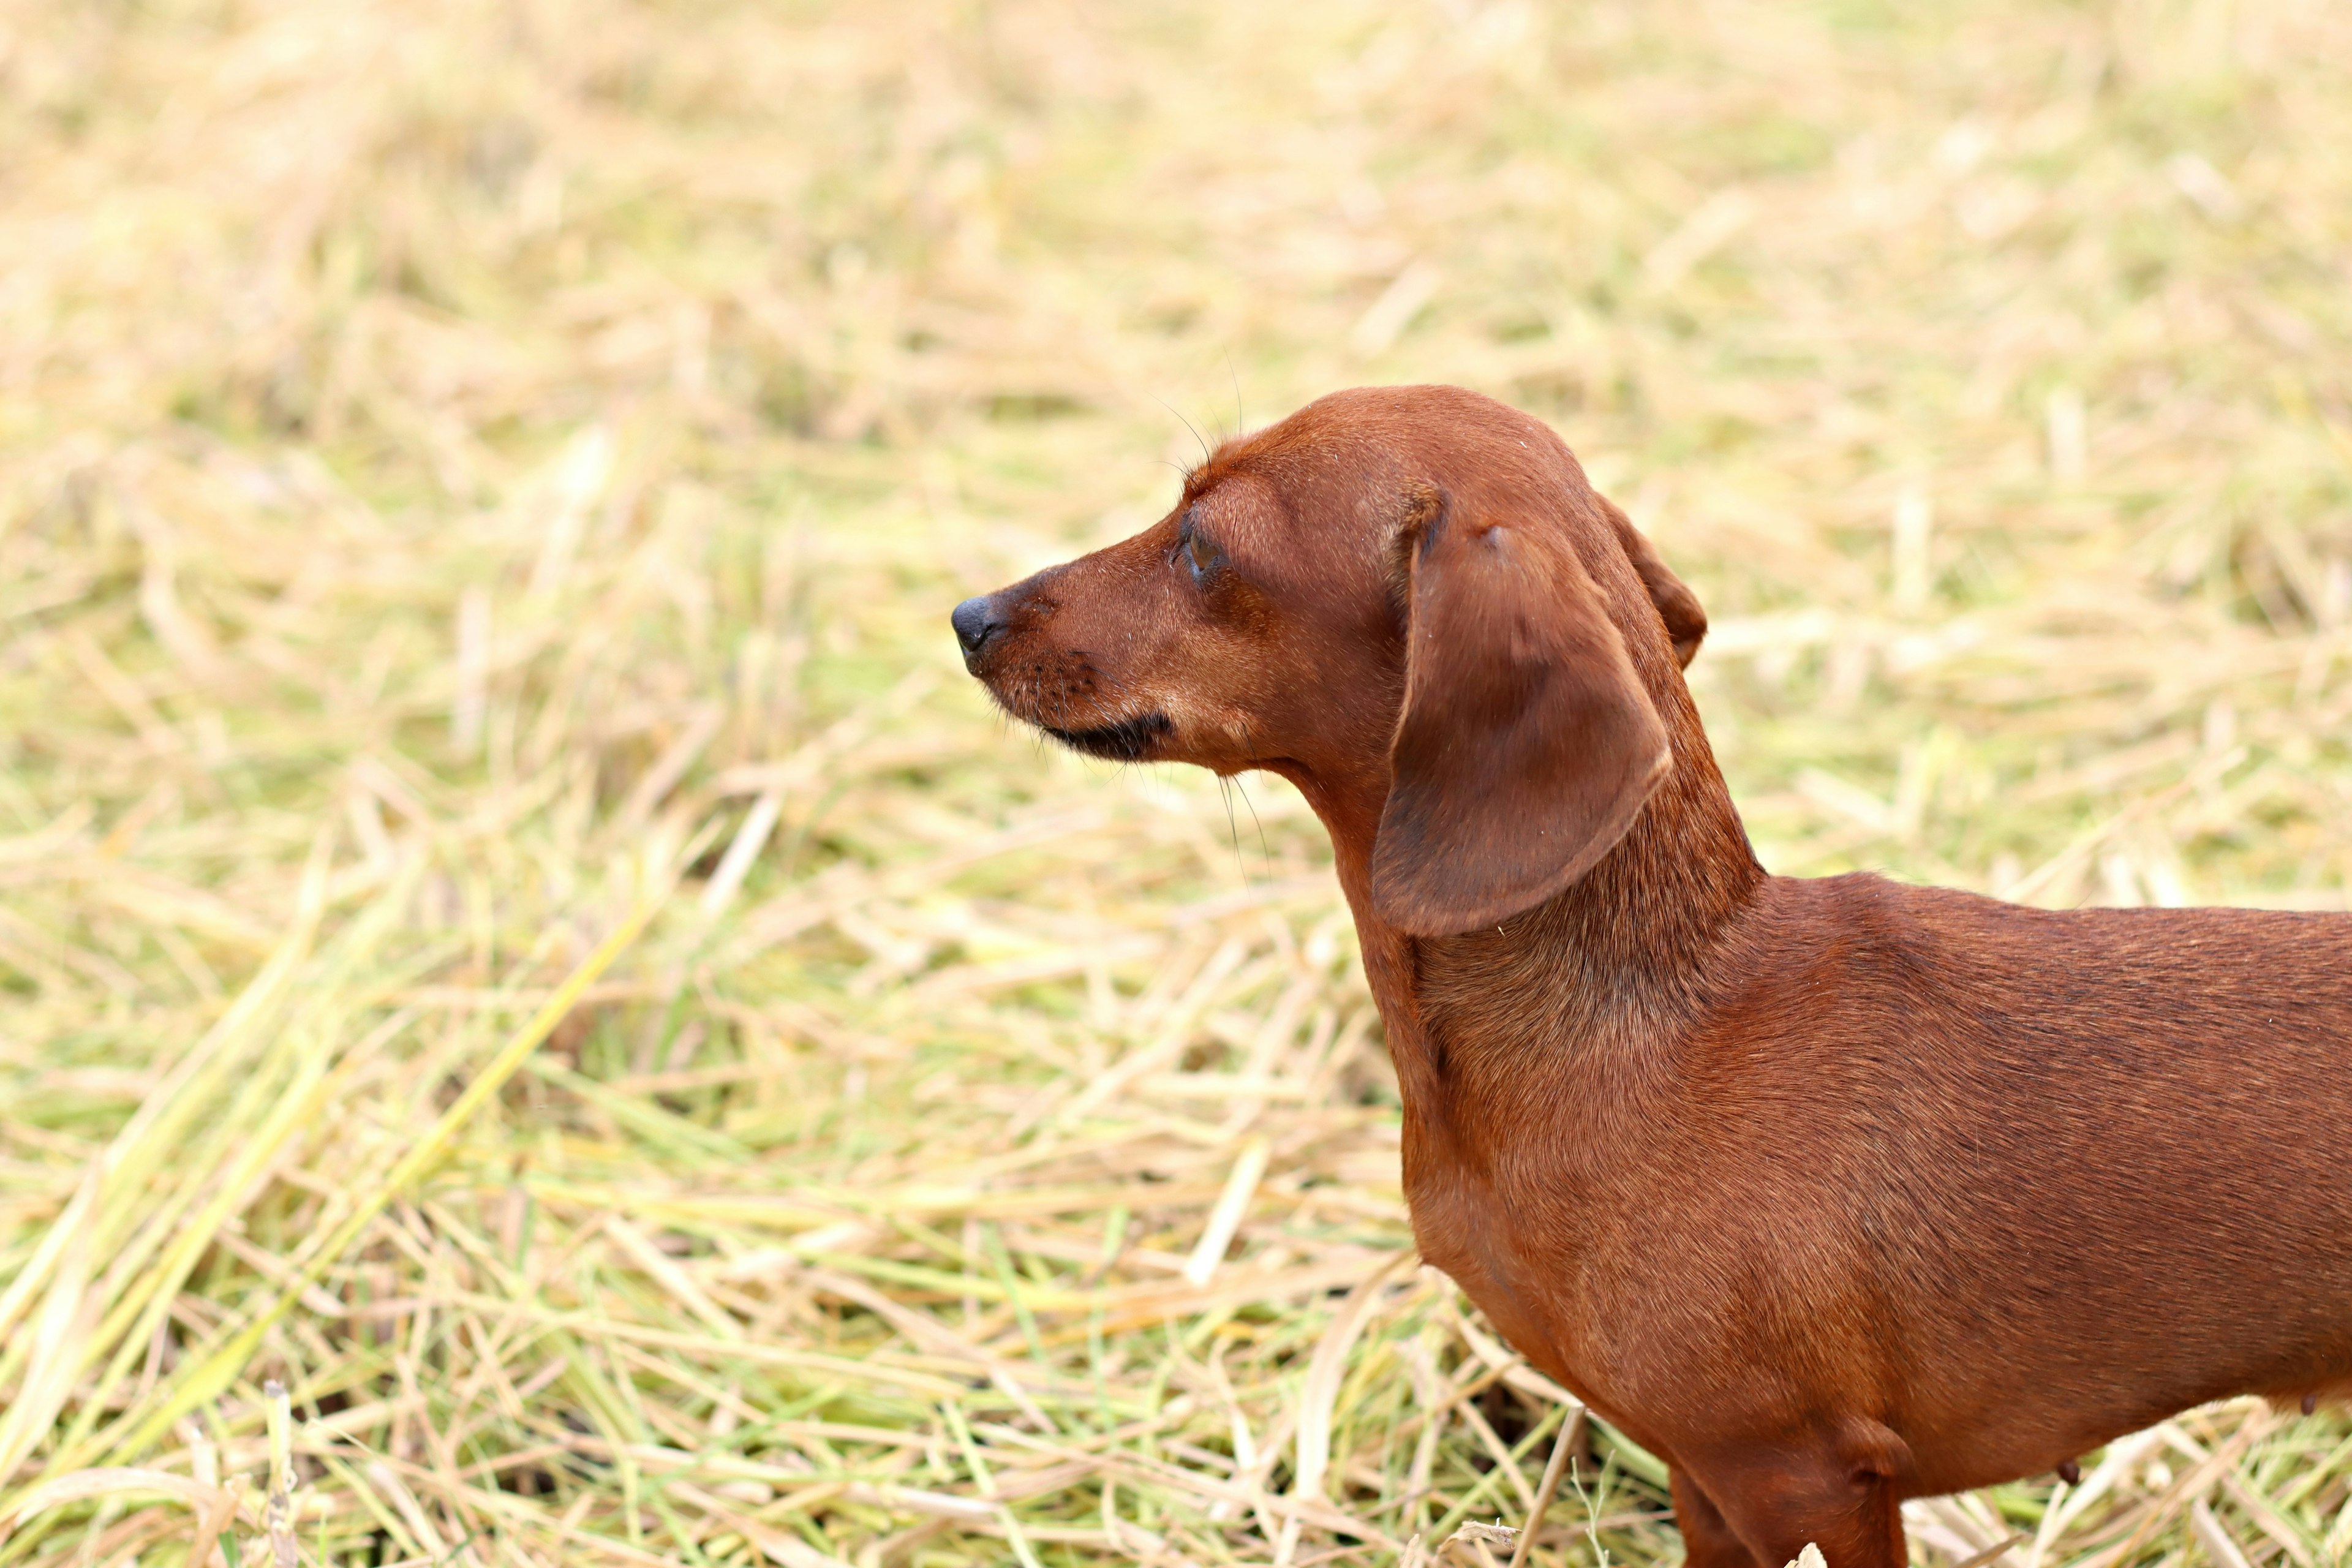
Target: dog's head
x=1405, y=599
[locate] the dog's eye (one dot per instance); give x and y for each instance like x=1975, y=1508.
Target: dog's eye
x=1202, y=552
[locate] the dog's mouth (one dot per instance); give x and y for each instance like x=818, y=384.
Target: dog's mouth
x=1068, y=686
x=1122, y=740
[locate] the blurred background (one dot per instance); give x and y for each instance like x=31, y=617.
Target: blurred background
x=481, y=488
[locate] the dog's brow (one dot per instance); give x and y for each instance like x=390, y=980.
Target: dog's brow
x=1235, y=512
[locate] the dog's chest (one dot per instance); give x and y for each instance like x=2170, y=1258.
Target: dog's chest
x=1531, y=1151
x=1502, y=1216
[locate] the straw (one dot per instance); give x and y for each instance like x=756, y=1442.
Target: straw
x=477, y=481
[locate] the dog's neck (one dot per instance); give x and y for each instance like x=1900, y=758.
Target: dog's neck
x=1643, y=922
x=1602, y=969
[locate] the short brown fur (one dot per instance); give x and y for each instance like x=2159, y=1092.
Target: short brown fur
x=1831, y=1192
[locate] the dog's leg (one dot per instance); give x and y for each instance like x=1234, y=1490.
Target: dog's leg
x=1778, y=1501
x=1708, y=1539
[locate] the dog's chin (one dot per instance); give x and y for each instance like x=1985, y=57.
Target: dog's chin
x=1126, y=741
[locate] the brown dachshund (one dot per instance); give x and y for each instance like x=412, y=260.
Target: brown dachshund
x=1829, y=1191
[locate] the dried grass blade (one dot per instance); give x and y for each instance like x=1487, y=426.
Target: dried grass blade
x=208, y=1378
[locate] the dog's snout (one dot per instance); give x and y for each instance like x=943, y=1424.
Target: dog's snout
x=975, y=623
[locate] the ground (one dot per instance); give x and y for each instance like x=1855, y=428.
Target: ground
x=481, y=488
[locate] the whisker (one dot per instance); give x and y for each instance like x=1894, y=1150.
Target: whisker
x=1233, y=829
x=1188, y=423
x=1266, y=850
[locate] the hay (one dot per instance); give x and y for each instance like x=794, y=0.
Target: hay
x=476, y=475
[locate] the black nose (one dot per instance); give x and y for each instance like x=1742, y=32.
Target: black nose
x=975, y=622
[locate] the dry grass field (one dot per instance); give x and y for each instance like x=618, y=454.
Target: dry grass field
x=515, y=928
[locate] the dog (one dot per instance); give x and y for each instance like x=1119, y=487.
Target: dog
x=1829, y=1193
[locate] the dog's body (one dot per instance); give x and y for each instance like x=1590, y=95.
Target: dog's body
x=1831, y=1192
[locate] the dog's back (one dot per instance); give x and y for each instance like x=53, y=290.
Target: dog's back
x=2095, y=1137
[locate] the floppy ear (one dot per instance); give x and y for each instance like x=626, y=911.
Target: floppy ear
x=1526, y=745
x=1677, y=606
